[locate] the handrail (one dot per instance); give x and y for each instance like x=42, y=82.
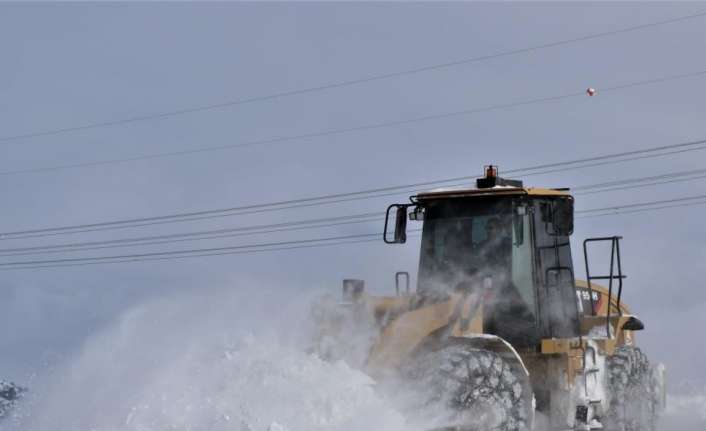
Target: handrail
x=614, y=261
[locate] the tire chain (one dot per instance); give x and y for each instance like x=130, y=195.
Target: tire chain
x=471, y=381
x=633, y=403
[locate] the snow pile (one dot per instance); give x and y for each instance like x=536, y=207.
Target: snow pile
x=259, y=385
x=224, y=362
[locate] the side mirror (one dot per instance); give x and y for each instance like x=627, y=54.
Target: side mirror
x=563, y=215
x=400, y=234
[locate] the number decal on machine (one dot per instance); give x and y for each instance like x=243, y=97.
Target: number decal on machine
x=584, y=300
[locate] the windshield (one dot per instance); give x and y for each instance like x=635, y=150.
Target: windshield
x=464, y=241
x=480, y=245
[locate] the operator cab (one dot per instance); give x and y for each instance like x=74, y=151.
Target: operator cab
x=505, y=242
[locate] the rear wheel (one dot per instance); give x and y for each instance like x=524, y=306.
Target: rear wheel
x=635, y=402
x=465, y=388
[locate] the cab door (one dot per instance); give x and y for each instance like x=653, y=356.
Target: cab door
x=558, y=309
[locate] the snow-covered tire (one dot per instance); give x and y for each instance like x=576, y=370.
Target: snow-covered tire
x=472, y=389
x=634, y=398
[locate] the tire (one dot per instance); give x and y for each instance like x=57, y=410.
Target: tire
x=465, y=388
x=634, y=399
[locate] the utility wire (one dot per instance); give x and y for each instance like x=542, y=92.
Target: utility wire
x=224, y=250
x=344, y=197
x=641, y=180
x=642, y=204
x=289, y=138
x=618, y=209
x=368, y=238
x=305, y=224
x=295, y=247
x=691, y=204
x=611, y=189
x=372, y=126
x=681, y=147
x=346, y=83
x=190, y=219
x=332, y=243
x=604, y=163
x=165, y=239
x=375, y=238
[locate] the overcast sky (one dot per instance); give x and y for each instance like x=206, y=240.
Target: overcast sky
x=70, y=65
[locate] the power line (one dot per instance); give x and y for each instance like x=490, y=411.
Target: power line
x=607, y=162
x=344, y=197
x=332, y=243
x=190, y=219
x=636, y=207
x=304, y=224
x=188, y=216
x=346, y=83
x=296, y=247
x=691, y=204
x=611, y=189
x=642, y=204
x=641, y=179
x=289, y=138
x=682, y=147
x=194, y=255
x=189, y=236
x=224, y=250
x=372, y=126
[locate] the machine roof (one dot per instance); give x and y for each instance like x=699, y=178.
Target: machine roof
x=454, y=192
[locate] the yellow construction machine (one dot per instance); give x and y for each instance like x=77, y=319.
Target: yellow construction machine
x=498, y=334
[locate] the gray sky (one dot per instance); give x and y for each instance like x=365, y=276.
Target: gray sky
x=68, y=65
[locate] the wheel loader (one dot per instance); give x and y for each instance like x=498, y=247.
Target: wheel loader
x=498, y=334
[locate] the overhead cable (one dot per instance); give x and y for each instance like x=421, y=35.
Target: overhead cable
x=218, y=250
x=643, y=206
x=344, y=197
x=316, y=223
x=188, y=236
x=346, y=83
x=372, y=126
